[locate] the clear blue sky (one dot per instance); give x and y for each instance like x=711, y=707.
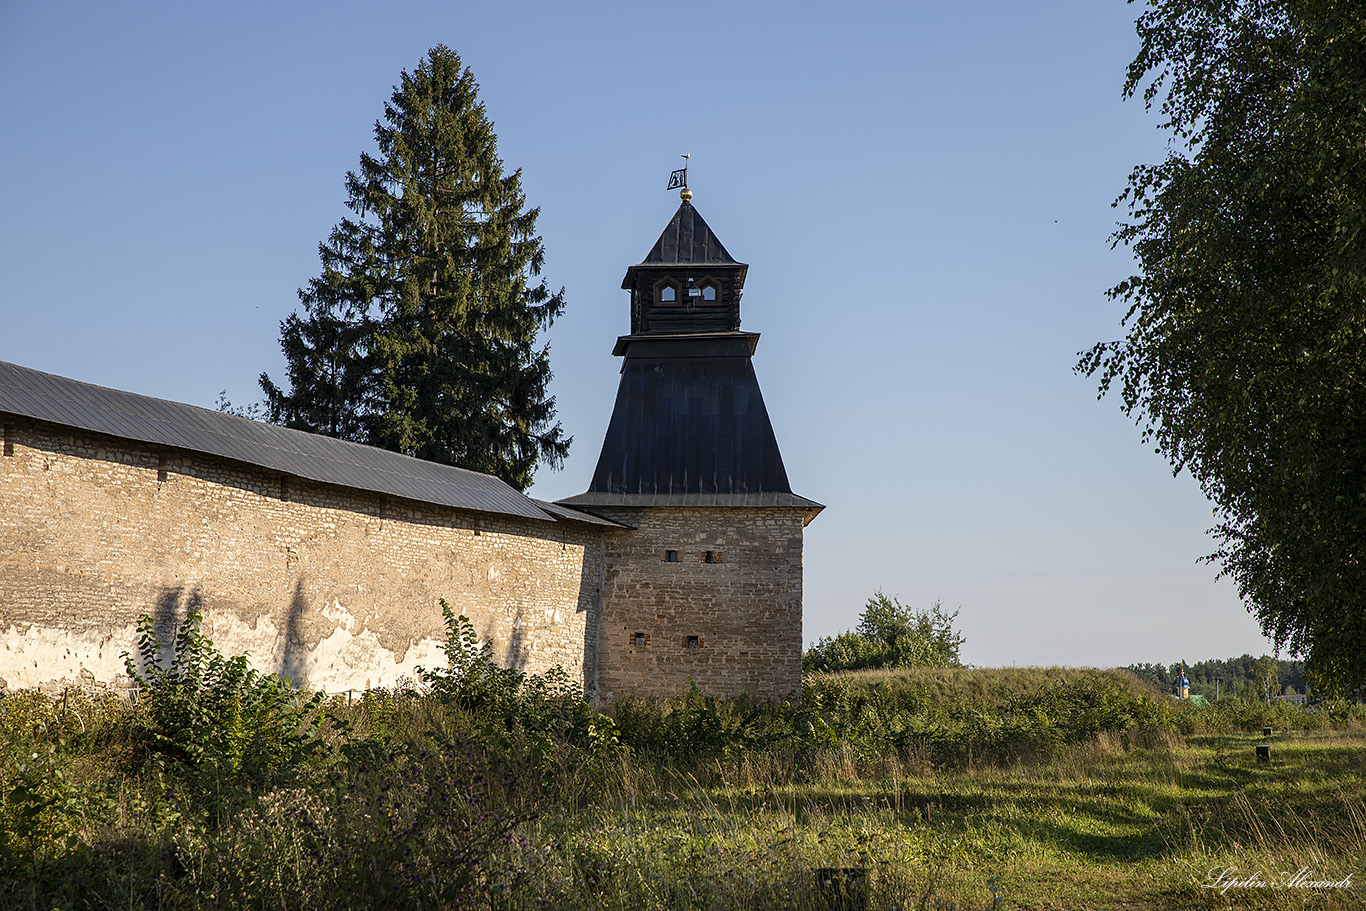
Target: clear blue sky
x=922, y=192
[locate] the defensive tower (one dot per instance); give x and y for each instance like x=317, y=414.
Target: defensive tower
x=708, y=587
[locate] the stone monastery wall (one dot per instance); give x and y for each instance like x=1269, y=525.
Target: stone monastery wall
x=334, y=588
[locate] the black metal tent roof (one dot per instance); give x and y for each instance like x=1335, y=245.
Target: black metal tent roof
x=689, y=428
x=687, y=240
x=70, y=403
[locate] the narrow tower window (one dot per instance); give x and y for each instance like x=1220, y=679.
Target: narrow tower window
x=670, y=556
x=666, y=291
x=692, y=642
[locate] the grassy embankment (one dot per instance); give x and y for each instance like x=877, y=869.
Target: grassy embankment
x=953, y=788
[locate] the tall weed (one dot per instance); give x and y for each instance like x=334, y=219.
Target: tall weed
x=507, y=708
x=219, y=717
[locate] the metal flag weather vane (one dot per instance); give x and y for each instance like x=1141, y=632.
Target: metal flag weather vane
x=679, y=179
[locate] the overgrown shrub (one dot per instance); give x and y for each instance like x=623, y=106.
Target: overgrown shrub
x=544, y=713
x=1251, y=715
x=59, y=759
x=430, y=825
x=889, y=635
x=900, y=716
x=1342, y=713
x=703, y=727
x=40, y=809
x=219, y=717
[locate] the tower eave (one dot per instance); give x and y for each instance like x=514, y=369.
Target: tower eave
x=628, y=280
x=687, y=344
x=592, y=501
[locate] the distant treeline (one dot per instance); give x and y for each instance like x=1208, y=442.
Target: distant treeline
x=1228, y=677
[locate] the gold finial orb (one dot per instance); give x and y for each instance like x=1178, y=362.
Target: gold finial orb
x=685, y=194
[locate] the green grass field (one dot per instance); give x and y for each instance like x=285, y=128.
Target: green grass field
x=965, y=789
x=1109, y=825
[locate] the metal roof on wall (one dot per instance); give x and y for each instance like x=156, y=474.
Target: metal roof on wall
x=567, y=511
x=70, y=403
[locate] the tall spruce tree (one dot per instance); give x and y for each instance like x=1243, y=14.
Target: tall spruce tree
x=420, y=334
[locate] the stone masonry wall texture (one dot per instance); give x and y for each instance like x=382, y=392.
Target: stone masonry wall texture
x=336, y=589
x=733, y=625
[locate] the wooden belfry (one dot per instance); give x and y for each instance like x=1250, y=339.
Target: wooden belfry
x=687, y=283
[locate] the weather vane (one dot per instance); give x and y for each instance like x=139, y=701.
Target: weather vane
x=678, y=180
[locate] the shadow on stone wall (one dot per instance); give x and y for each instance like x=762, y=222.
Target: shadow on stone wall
x=168, y=611
x=174, y=603
x=295, y=651
x=590, y=604
x=518, y=653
